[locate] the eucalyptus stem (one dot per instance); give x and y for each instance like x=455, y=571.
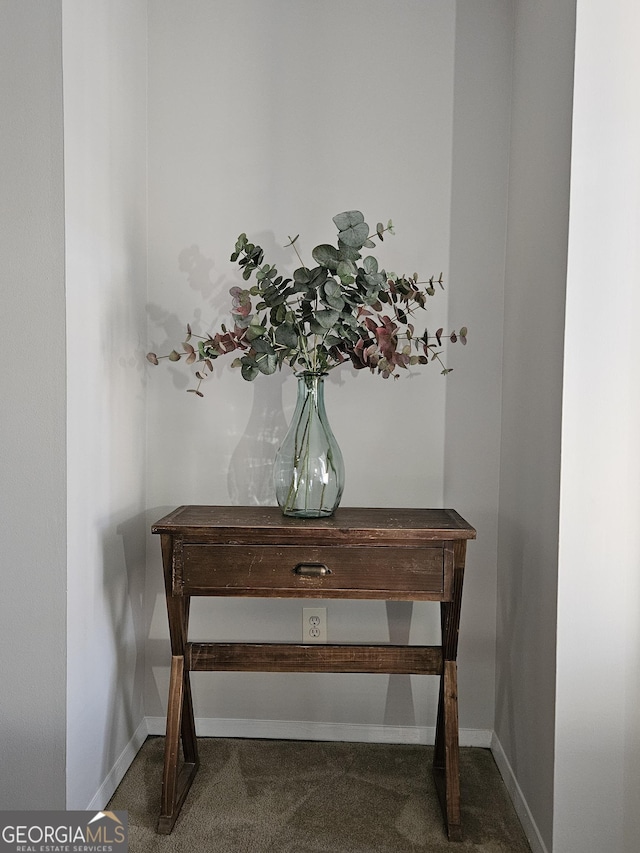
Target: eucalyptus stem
x=304, y=419
x=295, y=249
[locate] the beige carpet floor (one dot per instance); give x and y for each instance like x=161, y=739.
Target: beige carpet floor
x=265, y=796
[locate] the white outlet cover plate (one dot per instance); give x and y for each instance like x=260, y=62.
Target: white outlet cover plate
x=314, y=624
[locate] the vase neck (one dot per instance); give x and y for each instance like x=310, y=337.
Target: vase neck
x=311, y=381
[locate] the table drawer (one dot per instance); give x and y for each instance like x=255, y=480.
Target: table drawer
x=380, y=572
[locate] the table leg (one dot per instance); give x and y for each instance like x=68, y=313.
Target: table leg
x=446, y=755
x=446, y=763
x=177, y=780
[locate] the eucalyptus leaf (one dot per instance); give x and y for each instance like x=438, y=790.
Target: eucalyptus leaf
x=370, y=298
x=333, y=340
x=262, y=345
x=272, y=296
x=267, y=363
x=332, y=294
x=327, y=317
x=356, y=236
x=287, y=336
x=348, y=219
x=249, y=370
x=332, y=288
x=318, y=276
x=370, y=265
x=277, y=315
x=254, y=332
x=349, y=320
x=302, y=276
x=326, y=256
x=347, y=269
x=375, y=281
x=347, y=253
x=244, y=322
x=336, y=302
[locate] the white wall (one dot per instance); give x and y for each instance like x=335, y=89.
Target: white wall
x=104, y=51
x=482, y=101
x=597, y=770
x=32, y=423
x=271, y=126
x=532, y=400
x=105, y=207
x=73, y=248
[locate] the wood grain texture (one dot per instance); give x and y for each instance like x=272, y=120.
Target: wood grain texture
x=358, y=525
x=377, y=572
x=286, y=657
x=176, y=779
x=446, y=765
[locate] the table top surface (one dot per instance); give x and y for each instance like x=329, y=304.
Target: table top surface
x=369, y=522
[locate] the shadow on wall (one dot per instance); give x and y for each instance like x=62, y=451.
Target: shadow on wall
x=203, y=318
x=399, y=708
x=249, y=479
x=123, y=585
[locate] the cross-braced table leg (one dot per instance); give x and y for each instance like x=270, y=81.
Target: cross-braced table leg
x=176, y=779
x=446, y=756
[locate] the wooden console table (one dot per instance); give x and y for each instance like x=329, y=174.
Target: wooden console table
x=384, y=554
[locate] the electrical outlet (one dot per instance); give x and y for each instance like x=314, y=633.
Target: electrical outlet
x=314, y=624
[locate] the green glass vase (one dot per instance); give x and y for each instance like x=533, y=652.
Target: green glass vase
x=309, y=470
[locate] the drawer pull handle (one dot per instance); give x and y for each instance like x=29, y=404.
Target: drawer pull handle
x=311, y=570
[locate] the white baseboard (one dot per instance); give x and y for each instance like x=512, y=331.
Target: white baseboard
x=303, y=730
x=517, y=797
x=120, y=767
